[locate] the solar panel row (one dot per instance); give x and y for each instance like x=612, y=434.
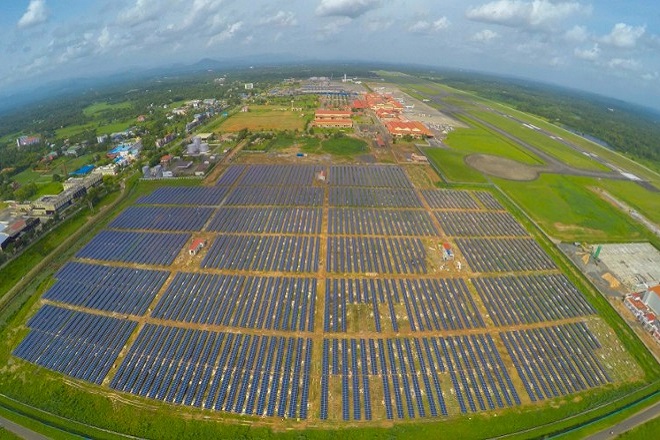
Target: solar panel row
x=389, y=222
x=430, y=304
x=135, y=247
x=113, y=289
x=77, y=344
x=369, y=176
x=267, y=220
x=240, y=301
x=162, y=218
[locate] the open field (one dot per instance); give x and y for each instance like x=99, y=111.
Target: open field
x=344, y=146
x=98, y=108
x=451, y=164
x=263, y=117
x=567, y=210
x=554, y=148
x=479, y=140
x=101, y=128
x=58, y=166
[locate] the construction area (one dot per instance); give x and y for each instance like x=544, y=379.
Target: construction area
x=324, y=294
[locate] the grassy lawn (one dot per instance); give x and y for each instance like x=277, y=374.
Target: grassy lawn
x=542, y=142
x=73, y=130
x=344, y=146
x=643, y=200
x=29, y=176
x=452, y=165
x=45, y=177
x=479, y=140
x=566, y=209
x=47, y=189
x=265, y=117
x=308, y=144
x=97, y=108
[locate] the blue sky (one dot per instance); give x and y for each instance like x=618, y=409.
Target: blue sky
x=611, y=47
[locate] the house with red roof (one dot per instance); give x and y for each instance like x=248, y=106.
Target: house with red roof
x=333, y=118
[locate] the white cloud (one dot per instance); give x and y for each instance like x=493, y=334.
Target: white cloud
x=624, y=64
x=281, y=19
x=379, y=24
x=426, y=27
x=624, y=36
x=651, y=76
x=535, y=14
x=104, y=39
x=577, y=34
x=588, y=54
x=141, y=12
x=227, y=34
x=346, y=8
x=36, y=14
x=332, y=28
x=485, y=36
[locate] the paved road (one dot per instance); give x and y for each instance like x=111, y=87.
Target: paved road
x=20, y=430
x=626, y=425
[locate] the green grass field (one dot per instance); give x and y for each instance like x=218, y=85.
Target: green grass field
x=451, y=164
x=344, y=146
x=554, y=148
x=98, y=108
x=479, y=140
x=101, y=129
x=264, y=117
x=48, y=189
x=567, y=210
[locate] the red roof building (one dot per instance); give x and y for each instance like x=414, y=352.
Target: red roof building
x=196, y=246
x=408, y=128
x=333, y=118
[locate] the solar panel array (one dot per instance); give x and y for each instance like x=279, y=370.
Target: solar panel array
x=376, y=255
x=263, y=253
x=267, y=220
x=234, y=330
x=430, y=304
x=555, y=361
x=408, y=373
x=193, y=196
x=240, y=301
x=529, y=299
x=162, y=218
x=113, y=289
x=374, y=197
x=504, y=255
x=77, y=344
x=369, y=176
x=134, y=247
x=244, y=374
x=479, y=224
x=349, y=221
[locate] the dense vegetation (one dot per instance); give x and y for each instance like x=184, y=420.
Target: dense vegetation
x=625, y=127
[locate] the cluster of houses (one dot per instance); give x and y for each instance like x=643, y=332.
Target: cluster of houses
x=646, y=308
x=203, y=108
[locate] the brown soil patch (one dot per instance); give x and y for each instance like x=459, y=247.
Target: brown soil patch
x=502, y=167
